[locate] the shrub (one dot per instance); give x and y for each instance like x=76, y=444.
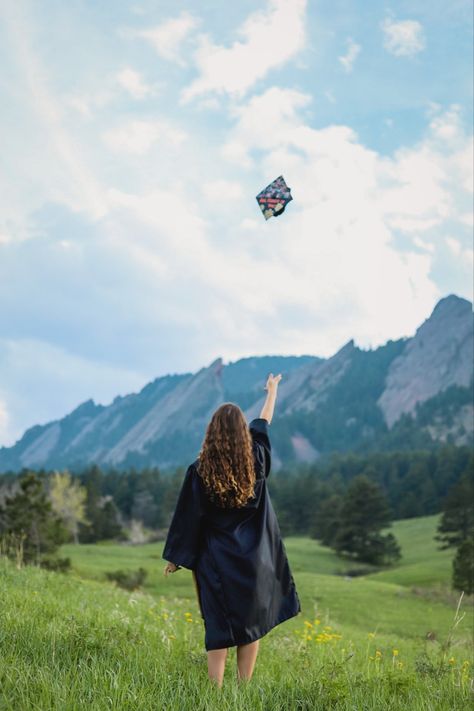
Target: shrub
x=129, y=580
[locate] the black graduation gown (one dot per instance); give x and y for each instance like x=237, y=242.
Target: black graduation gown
x=239, y=563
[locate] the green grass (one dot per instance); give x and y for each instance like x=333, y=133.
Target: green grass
x=74, y=641
x=422, y=563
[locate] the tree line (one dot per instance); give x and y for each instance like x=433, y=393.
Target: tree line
x=345, y=502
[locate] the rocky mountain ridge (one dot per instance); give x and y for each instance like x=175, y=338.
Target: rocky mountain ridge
x=353, y=400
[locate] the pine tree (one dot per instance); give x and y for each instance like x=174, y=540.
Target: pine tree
x=457, y=521
x=108, y=523
x=328, y=520
x=456, y=529
x=364, y=513
x=29, y=513
x=101, y=511
x=463, y=567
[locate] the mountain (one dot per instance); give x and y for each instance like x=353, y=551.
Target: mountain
x=439, y=355
x=413, y=392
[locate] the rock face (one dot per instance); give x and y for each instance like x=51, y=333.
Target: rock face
x=307, y=388
x=440, y=354
x=181, y=410
x=163, y=424
x=337, y=403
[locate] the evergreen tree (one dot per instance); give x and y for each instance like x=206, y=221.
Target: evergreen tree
x=109, y=520
x=29, y=514
x=463, y=567
x=457, y=521
x=364, y=514
x=147, y=501
x=101, y=511
x=328, y=520
x=456, y=529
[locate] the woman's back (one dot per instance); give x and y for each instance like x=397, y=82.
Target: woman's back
x=244, y=583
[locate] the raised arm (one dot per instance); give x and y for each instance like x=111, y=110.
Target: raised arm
x=269, y=405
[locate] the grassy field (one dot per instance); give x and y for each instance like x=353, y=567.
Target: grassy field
x=384, y=640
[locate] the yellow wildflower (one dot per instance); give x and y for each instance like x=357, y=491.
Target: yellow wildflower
x=395, y=652
x=371, y=635
x=451, y=660
x=308, y=624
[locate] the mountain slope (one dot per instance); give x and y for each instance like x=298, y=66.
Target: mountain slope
x=413, y=392
x=440, y=354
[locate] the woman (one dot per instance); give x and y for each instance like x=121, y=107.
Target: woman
x=225, y=530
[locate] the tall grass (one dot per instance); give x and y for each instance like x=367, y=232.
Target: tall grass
x=69, y=643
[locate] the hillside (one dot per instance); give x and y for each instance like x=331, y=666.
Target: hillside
x=422, y=562
x=369, y=642
x=411, y=393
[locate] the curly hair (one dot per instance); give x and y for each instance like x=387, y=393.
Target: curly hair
x=226, y=463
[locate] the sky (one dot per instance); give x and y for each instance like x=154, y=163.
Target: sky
x=134, y=139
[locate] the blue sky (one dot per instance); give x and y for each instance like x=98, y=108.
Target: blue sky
x=135, y=136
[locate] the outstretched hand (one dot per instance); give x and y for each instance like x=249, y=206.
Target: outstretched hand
x=272, y=381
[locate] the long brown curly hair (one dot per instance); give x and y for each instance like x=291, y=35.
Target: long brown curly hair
x=226, y=463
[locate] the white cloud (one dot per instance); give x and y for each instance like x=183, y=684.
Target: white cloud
x=133, y=82
x=349, y=204
x=168, y=37
x=270, y=38
x=348, y=59
x=403, y=38
x=249, y=224
x=427, y=246
x=5, y=434
x=65, y=176
x=467, y=219
x=454, y=245
x=462, y=166
x=431, y=181
x=29, y=367
x=222, y=191
x=465, y=254
x=138, y=136
x=87, y=104
x=276, y=108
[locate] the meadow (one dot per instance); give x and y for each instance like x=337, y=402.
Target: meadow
x=391, y=639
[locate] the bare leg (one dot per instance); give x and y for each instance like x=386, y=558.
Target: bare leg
x=246, y=658
x=216, y=664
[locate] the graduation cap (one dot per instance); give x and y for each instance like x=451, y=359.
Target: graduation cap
x=274, y=198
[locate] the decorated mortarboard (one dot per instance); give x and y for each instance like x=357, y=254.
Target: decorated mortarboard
x=274, y=198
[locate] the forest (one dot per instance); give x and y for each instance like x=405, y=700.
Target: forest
x=413, y=484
